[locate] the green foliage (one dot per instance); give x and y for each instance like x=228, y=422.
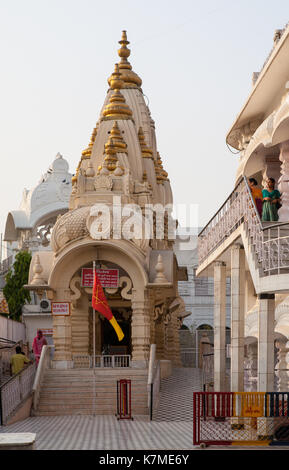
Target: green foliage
x=14, y=292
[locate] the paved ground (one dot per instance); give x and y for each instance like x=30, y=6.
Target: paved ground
x=171, y=429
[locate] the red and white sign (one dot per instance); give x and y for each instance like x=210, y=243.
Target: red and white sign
x=60, y=308
x=107, y=277
x=47, y=331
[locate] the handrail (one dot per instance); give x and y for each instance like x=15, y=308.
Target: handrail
x=15, y=375
x=151, y=379
x=271, y=250
x=252, y=200
x=219, y=210
x=42, y=366
x=14, y=391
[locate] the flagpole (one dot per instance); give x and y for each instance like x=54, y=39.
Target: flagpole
x=93, y=319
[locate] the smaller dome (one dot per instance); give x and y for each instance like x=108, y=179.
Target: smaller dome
x=60, y=165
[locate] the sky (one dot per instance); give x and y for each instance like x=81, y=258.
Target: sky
x=195, y=59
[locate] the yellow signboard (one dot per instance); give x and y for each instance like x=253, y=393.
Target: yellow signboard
x=252, y=404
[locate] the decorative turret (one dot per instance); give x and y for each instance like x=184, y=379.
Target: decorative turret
x=118, y=140
x=146, y=152
x=161, y=174
x=117, y=107
x=87, y=152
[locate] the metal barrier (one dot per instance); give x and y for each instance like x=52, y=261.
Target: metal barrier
x=124, y=399
x=240, y=418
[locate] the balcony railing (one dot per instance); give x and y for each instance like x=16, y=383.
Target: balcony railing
x=270, y=240
x=85, y=361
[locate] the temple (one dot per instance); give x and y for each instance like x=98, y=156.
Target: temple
x=119, y=189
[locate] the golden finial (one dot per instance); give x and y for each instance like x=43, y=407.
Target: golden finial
x=146, y=152
x=130, y=78
x=124, y=52
x=110, y=154
x=119, y=142
x=117, y=107
x=87, y=152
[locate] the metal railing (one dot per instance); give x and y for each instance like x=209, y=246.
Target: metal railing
x=270, y=241
x=154, y=381
x=6, y=264
x=85, y=361
x=15, y=390
x=189, y=357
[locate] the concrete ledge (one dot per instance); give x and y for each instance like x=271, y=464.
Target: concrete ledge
x=17, y=441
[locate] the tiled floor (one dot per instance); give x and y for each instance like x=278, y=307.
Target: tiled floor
x=172, y=427
x=104, y=432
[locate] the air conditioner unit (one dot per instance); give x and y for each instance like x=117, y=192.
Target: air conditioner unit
x=45, y=305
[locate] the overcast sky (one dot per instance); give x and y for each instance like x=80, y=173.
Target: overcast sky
x=196, y=61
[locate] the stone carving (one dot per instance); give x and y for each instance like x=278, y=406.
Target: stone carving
x=37, y=271
x=158, y=311
x=103, y=182
x=70, y=226
x=160, y=277
x=76, y=291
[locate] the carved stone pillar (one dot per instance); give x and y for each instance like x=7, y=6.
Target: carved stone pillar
x=252, y=364
x=271, y=170
x=62, y=335
x=80, y=326
x=237, y=317
x=282, y=366
x=284, y=182
x=266, y=316
x=219, y=326
x=140, y=328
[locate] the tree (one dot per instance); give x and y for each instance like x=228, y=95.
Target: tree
x=14, y=292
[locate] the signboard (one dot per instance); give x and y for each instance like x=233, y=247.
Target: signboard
x=107, y=277
x=252, y=404
x=47, y=331
x=60, y=308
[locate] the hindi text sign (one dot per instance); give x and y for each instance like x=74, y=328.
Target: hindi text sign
x=60, y=308
x=108, y=277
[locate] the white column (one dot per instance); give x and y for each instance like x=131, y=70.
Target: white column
x=266, y=316
x=283, y=185
x=219, y=326
x=237, y=317
x=282, y=365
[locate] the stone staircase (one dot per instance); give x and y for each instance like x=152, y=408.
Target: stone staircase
x=90, y=392
x=176, y=395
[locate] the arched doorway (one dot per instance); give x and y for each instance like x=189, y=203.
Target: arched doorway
x=109, y=341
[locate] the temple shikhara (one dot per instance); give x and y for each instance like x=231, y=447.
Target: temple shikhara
x=120, y=169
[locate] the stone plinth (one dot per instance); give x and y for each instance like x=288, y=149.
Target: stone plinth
x=17, y=441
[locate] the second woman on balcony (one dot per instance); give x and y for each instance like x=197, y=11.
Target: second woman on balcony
x=271, y=201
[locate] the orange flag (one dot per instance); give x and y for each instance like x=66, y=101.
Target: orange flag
x=100, y=304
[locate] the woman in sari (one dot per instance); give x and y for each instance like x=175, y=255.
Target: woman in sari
x=37, y=345
x=271, y=201
x=256, y=194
